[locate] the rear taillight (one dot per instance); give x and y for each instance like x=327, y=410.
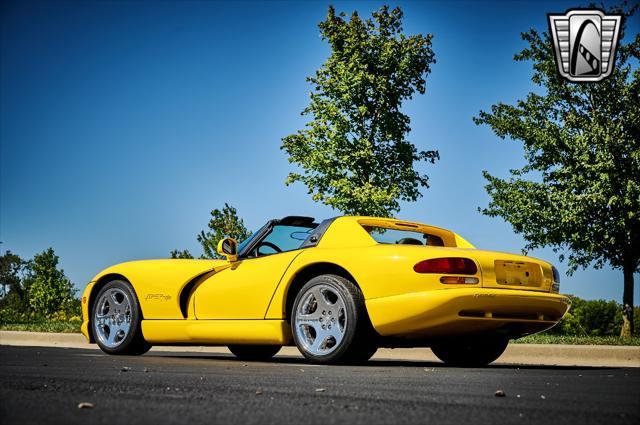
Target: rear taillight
x=449, y=265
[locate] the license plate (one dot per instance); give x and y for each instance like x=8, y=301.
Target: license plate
x=517, y=273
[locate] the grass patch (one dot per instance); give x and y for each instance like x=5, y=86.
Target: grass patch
x=48, y=326
x=578, y=340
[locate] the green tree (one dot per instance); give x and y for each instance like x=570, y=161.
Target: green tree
x=354, y=154
x=11, y=267
x=185, y=254
x=579, y=192
x=49, y=289
x=14, y=305
x=590, y=318
x=224, y=223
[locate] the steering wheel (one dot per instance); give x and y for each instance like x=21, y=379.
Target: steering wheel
x=267, y=244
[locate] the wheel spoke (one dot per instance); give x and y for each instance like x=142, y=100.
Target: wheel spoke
x=115, y=299
x=321, y=336
x=336, y=333
x=125, y=326
x=111, y=339
x=321, y=301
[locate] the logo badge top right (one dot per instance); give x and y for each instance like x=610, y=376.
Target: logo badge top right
x=585, y=44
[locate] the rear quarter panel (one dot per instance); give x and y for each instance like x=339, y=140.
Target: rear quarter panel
x=379, y=270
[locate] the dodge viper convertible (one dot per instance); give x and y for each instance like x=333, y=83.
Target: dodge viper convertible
x=338, y=290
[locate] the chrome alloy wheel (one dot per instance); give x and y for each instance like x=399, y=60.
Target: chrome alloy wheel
x=112, y=320
x=320, y=320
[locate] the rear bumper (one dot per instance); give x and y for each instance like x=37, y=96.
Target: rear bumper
x=450, y=312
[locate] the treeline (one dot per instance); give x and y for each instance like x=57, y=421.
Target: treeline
x=594, y=318
x=36, y=290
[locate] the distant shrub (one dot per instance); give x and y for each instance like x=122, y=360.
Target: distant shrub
x=49, y=290
x=70, y=310
x=13, y=309
x=38, y=291
x=592, y=318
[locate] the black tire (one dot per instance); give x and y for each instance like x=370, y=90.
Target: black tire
x=470, y=352
x=254, y=352
x=358, y=342
x=133, y=343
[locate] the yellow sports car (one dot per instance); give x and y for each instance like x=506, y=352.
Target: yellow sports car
x=338, y=290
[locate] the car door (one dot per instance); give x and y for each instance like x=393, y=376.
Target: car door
x=244, y=290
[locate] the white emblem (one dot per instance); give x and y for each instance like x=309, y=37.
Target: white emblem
x=585, y=44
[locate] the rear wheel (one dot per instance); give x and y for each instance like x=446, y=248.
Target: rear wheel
x=470, y=352
x=116, y=320
x=254, y=352
x=329, y=322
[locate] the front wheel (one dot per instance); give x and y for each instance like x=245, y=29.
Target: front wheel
x=116, y=320
x=470, y=352
x=254, y=352
x=329, y=322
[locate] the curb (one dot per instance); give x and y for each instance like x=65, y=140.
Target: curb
x=522, y=354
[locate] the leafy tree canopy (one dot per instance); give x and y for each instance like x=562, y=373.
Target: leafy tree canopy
x=11, y=266
x=184, y=254
x=48, y=287
x=353, y=154
x=579, y=191
x=224, y=223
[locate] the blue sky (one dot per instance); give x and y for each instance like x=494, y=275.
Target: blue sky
x=123, y=124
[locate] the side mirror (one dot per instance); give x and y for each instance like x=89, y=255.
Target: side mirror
x=228, y=247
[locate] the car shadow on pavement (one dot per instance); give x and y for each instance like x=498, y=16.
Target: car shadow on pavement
x=285, y=360
x=417, y=363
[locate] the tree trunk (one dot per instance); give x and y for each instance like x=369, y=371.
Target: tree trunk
x=627, y=301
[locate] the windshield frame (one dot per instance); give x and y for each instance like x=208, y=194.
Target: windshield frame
x=248, y=245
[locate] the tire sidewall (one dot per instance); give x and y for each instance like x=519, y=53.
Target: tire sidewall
x=135, y=333
x=338, y=284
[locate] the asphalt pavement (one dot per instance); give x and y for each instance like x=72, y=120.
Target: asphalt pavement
x=46, y=385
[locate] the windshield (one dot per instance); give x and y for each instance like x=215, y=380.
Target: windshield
x=273, y=239
x=284, y=238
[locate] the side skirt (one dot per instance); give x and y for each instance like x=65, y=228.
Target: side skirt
x=217, y=332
